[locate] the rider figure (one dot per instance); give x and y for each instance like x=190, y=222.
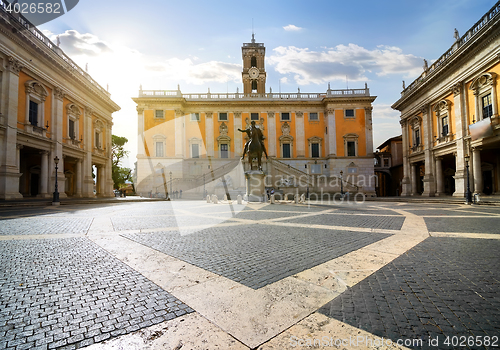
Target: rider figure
x=249, y=132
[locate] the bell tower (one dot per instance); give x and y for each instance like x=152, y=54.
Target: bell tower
x=254, y=71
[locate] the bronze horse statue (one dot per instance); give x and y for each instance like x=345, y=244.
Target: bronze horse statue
x=255, y=146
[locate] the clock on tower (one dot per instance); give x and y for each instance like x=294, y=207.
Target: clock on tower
x=254, y=72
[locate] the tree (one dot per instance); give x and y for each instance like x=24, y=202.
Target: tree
x=120, y=174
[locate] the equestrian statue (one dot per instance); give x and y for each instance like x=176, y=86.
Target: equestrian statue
x=255, y=145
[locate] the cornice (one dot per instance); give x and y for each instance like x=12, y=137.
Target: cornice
x=16, y=33
x=465, y=53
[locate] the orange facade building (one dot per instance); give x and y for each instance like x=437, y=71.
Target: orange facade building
x=450, y=119
x=190, y=140
x=49, y=108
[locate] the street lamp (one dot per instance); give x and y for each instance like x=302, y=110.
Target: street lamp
x=468, y=194
x=171, y=190
x=341, y=183
x=55, y=198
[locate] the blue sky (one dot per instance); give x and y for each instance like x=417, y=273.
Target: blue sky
x=197, y=44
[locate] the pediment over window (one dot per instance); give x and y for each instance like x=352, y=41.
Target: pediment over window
x=73, y=109
x=34, y=87
x=483, y=81
x=315, y=139
x=442, y=107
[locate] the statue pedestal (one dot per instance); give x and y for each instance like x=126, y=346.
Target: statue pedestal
x=255, y=186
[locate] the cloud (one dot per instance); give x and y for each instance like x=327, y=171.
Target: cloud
x=292, y=28
x=74, y=43
x=202, y=73
x=385, y=123
x=351, y=61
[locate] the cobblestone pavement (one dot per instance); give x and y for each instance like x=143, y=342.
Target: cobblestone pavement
x=258, y=255
x=70, y=292
x=444, y=289
x=247, y=277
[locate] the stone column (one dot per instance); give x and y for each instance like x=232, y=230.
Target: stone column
x=332, y=134
x=439, y=177
x=179, y=132
x=141, y=149
x=108, y=190
x=460, y=131
x=369, y=131
x=88, y=181
x=102, y=180
x=300, y=134
x=9, y=168
x=429, y=184
x=57, y=136
x=238, y=136
x=476, y=168
x=406, y=183
x=209, y=133
x=413, y=179
x=79, y=183
x=272, y=137
x=44, y=175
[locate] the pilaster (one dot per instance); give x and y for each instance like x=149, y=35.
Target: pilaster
x=300, y=134
x=271, y=134
x=369, y=131
x=332, y=133
x=9, y=169
x=429, y=184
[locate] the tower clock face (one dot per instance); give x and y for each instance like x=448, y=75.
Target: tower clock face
x=253, y=72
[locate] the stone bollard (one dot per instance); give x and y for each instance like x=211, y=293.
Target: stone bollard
x=215, y=200
x=285, y=197
x=240, y=199
x=208, y=199
x=272, y=199
x=296, y=199
x=225, y=197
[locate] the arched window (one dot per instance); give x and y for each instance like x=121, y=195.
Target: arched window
x=253, y=62
x=254, y=85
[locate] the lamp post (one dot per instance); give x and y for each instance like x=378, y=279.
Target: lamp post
x=341, y=183
x=468, y=194
x=55, y=198
x=171, y=190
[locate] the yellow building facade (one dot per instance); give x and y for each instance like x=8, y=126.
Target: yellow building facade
x=189, y=140
x=449, y=117
x=50, y=108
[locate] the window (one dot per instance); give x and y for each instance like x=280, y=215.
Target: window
x=315, y=168
x=351, y=148
x=159, y=149
x=34, y=118
x=313, y=116
x=195, y=117
x=254, y=85
x=286, y=150
x=349, y=113
x=72, y=129
x=223, y=116
x=159, y=114
x=224, y=150
x=417, y=138
x=315, y=150
x=487, y=106
x=285, y=116
x=253, y=61
x=254, y=116
x=98, y=140
x=352, y=170
x=444, y=124
x=33, y=113
x=195, y=150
